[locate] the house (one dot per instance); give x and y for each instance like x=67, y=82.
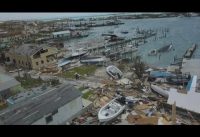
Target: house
x=61, y=34
x=6, y=83
x=55, y=107
x=31, y=56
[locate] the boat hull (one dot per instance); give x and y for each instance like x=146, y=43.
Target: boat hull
x=103, y=118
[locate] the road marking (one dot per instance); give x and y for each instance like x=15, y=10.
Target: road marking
x=30, y=115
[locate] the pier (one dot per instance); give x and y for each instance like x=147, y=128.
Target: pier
x=188, y=54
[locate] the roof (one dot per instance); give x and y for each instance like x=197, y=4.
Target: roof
x=27, y=49
x=189, y=101
x=194, y=70
x=61, y=32
x=7, y=82
x=29, y=111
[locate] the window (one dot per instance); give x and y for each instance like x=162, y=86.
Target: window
x=49, y=119
x=37, y=63
x=47, y=60
x=22, y=63
x=42, y=61
x=19, y=61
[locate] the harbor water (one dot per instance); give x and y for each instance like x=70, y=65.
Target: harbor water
x=183, y=33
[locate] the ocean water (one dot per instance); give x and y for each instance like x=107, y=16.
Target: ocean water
x=183, y=33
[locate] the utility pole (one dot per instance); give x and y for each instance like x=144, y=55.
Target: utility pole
x=174, y=114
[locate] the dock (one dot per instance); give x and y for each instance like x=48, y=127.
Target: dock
x=190, y=51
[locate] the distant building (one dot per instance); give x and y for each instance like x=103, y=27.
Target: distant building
x=6, y=83
x=61, y=34
x=31, y=56
x=53, y=108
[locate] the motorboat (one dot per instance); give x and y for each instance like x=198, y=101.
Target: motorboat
x=114, y=72
x=124, y=32
x=160, y=90
x=92, y=60
x=79, y=52
x=111, y=110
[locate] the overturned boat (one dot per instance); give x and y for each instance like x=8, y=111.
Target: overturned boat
x=92, y=60
x=166, y=48
x=111, y=110
x=114, y=72
x=79, y=52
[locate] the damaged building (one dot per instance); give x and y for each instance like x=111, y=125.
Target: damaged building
x=31, y=56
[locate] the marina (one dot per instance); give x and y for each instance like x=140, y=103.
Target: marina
x=120, y=69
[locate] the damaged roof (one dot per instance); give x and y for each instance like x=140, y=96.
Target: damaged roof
x=29, y=111
x=7, y=82
x=27, y=49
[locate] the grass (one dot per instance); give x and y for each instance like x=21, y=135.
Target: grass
x=88, y=70
x=81, y=88
x=29, y=82
x=17, y=89
x=87, y=94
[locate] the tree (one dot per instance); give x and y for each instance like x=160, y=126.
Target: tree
x=139, y=66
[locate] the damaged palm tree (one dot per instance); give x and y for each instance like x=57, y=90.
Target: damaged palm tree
x=138, y=66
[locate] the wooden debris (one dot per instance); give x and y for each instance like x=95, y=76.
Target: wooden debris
x=147, y=121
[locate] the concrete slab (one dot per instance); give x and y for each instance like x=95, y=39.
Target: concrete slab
x=192, y=66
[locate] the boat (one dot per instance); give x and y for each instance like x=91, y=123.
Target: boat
x=178, y=80
x=159, y=90
x=63, y=62
x=124, y=32
x=165, y=48
x=92, y=60
x=152, y=52
x=114, y=72
x=111, y=110
x=79, y=52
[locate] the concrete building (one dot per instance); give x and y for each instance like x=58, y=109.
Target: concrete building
x=31, y=56
x=53, y=107
x=6, y=82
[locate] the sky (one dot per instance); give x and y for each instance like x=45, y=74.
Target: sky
x=27, y=16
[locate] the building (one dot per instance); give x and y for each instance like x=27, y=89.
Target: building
x=6, y=83
x=54, y=107
x=31, y=56
x=61, y=34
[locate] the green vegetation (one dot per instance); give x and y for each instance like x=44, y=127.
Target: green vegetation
x=88, y=70
x=29, y=82
x=87, y=94
x=17, y=89
x=81, y=88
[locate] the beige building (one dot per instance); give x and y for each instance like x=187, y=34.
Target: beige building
x=31, y=56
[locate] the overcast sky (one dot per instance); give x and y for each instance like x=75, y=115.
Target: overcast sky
x=21, y=16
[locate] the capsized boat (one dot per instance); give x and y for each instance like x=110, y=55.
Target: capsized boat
x=165, y=48
x=111, y=110
x=114, y=72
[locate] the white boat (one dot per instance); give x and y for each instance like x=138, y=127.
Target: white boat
x=79, y=52
x=160, y=90
x=114, y=72
x=111, y=110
